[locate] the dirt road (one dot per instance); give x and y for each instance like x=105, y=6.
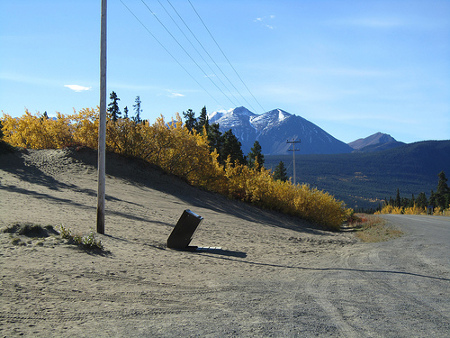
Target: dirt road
x=399, y=288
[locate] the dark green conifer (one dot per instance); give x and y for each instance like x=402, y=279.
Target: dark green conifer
x=280, y=172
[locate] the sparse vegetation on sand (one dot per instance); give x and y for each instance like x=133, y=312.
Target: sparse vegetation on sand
x=181, y=152
x=87, y=242
x=372, y=228
x=24, y=233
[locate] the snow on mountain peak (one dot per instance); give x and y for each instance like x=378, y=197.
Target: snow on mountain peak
x=282, y=115
x=272, y=129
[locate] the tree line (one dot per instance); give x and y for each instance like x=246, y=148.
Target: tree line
x=439, y=200
x=178, y=151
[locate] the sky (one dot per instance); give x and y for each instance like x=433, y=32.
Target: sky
x=353, y=68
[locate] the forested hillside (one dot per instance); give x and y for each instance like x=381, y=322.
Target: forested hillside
x=363, y=180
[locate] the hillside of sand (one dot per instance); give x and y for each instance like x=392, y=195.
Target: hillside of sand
x=138, y=287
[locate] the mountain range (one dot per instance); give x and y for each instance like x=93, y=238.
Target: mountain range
x=275, y=128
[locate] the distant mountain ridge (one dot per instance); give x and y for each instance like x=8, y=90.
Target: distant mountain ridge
x=274, y=128
x=375, y=142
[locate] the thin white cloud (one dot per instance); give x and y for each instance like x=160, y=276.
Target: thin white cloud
x=263, y=21
x=175, y=95
x=77, y=88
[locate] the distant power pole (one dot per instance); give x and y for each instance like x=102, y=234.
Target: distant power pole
x=293, y=142
x=102, y=128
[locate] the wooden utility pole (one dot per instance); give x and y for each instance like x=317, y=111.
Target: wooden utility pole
x=102, y=128
x=293, y=142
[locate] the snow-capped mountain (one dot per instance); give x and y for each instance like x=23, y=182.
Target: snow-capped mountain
x=239, y=120
x=274, y=128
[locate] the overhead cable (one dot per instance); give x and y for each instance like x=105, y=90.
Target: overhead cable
x=211, y=58
x=168, y=52
x=212, y=37
x=187, y=53
x=192, y=45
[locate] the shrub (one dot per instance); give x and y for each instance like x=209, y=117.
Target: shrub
x=180, y=152
x=87, y=242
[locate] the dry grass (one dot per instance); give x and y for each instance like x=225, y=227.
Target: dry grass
x=372, y=229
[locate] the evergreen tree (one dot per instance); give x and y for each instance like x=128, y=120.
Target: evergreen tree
x=405, y=202
x=280, y=172
x=442, y=184
x=391, y=201
x=398, y=200
x=203, y=121
x=137, y=110
x=189, y=120
x=432, y=199
x=411, y=202
x=125, y=112
x=422, y=201
x=230, y=146
x=113, y=107
x=442, y=196
x=214, y=137
x=255, y=156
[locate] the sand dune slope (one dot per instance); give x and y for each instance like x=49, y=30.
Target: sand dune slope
x=141, y=288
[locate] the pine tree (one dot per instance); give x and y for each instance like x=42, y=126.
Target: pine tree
x=230, y=146
x=442, y=184
x=391, y=201
x=125, y=112
x=113, y=107
x=432, y=199
x=189, y=120
x=442, y=196
x=255, y=156
x=214, y=137
x=137, y=109
x=422, y=201
x=398, y=200
x=203, y=121
x=412, y=202
x=280, y=172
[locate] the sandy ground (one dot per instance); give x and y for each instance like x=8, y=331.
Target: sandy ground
x=276, y=276
x=141, y=288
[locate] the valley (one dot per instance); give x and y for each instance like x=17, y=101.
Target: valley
x=363, y=180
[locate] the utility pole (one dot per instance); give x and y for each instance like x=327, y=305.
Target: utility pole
x=102, y=127
x=293, y=142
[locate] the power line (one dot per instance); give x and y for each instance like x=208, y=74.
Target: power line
x=190, y=42
x=187, y=53
x=209, y=55
x=168, y=52
x=212, y=37
x=190, y=56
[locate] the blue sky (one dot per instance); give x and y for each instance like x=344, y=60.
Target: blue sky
x=351, y=67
